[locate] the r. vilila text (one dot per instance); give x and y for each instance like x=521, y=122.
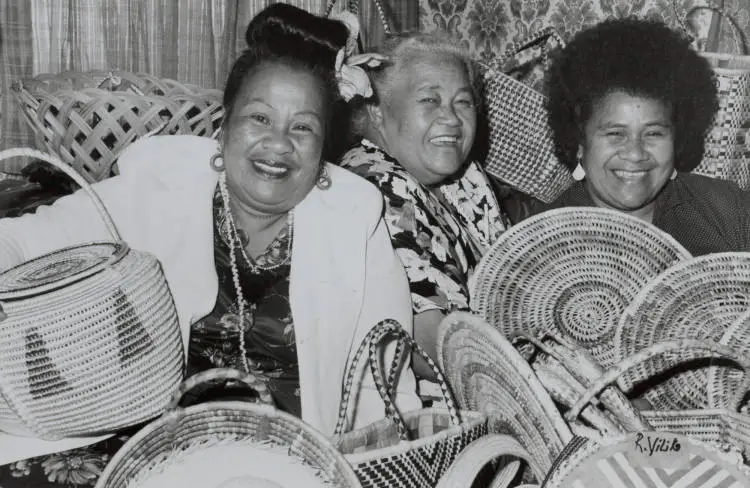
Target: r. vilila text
x=651, y=445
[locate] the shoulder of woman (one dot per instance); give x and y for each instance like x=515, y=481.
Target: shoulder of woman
x=171, y=157
x=709, y=190
x=351, y=193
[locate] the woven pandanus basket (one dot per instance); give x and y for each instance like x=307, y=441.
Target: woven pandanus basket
x=88, y=118
x=227, y=444
x=89, y=337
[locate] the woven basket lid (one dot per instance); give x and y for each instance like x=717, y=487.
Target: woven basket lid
x=696, y=299
x=725, y=382
x=646, y=460
x=487, y=374
x=571, y=271
x=58, y=269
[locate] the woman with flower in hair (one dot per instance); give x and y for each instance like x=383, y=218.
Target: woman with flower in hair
x=279, y=262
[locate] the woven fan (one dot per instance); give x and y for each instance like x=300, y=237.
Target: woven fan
x=725, y=381
x=487, y=374
x=570, y=271
x=696, y=299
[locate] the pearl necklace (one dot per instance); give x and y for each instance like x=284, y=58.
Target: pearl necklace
x=234, y=238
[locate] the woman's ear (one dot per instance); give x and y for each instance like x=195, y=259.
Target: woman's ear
x=375, y=114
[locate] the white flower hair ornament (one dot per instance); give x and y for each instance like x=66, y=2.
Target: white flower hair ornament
x=351, y=78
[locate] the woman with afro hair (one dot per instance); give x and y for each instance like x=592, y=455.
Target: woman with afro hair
x=630, y=103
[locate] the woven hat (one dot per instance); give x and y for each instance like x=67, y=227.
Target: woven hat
x=696, y=299
x=487, y=374
x=629, y=461
x=571, y=271
x=227, y=444
x=725, y=382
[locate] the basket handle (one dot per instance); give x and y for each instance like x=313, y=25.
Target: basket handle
x=387, y=388
x=220, y=374
x=65, y=168
x=476, y=455
x=717, y=10
x=542, y=37
x=353, y=7
x=695, y=348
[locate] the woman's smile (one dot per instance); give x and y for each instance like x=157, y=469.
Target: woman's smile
x=271, y=170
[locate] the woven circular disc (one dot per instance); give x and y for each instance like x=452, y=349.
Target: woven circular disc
x=696, y=299
x=58, y=269
x=487, y=374
x=724, y=382
x=646, y=460
x=571, y=271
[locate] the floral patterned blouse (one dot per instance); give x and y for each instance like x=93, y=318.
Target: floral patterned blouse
x=269, y=335
x=439, y=235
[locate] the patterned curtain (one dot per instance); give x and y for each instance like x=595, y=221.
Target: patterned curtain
x=487, y=27
x=192, y=41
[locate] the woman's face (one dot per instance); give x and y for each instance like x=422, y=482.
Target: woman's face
x=628, y=151
x=429, y=118
x=273, y=139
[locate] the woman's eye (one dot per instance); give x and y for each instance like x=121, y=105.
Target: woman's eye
x=656, y=133
x=260, y=118
x=431, y=100
x=465, y=102
x=302, y=128
x=614, y=134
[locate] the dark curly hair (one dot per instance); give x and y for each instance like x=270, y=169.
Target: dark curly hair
x=640, y=57
x=283, y=33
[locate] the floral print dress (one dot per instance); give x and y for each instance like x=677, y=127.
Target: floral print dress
x=439, y=235
x=271, y=354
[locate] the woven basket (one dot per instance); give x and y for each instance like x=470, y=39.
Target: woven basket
x=695, y=299
x=521, y=149
x=726, y=382
x=626, y=461
x=87, y=119
x=705, y=425
x=488, y=375
x=410, y=450
x=248, y=427
x=89, y=337
x=570, y=271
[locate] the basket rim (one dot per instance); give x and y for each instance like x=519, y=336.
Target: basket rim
x=341, y=465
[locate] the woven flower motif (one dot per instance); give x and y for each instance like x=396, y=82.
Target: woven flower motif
x=447, y=8
x=529, y=10
x=622, y=8
x=488, y=25
x=75, y=467
x=573, y=15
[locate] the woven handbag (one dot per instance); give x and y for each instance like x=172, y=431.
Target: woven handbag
x=570, y=271
x=233, y=444
x=412, y=450
x=487, y=374
x=698, y=298
x=89, y=337
x=726, y=429
x=727, y=150
x=87, y=118
x=521, y=150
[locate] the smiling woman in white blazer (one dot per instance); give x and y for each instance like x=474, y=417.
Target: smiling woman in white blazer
x=265, y=176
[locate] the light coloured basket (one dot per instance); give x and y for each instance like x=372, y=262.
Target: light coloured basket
x=571, y=272
x=89, y=337
x=696, y=299
x=487, y=374
x=724, y=428
x=242, y=424
x=726, y=382
x=88, y=118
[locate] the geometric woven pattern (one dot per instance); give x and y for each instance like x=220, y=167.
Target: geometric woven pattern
x=420, y=463
x=646, y=460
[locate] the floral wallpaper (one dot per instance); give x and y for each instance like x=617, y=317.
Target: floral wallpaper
x=489, y=27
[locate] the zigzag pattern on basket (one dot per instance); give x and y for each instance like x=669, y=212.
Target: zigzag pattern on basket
x=620, y=472
x=421, y=468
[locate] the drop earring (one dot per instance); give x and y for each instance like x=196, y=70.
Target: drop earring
x=578, y=173
x=324, y=181
x=673, y=175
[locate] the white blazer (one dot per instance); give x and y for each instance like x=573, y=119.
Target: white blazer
x=345, y=276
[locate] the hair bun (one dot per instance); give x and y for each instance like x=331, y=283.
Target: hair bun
x=284, y=26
